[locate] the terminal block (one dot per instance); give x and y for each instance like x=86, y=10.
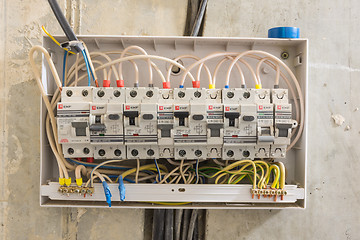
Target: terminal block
x=192, y=123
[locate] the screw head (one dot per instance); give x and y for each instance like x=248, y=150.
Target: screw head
x=101, y=93
x=197, y=94
x=181, y=94
x=230, y=153
x=133, y=93
x=86, y=151
x=117, y=93
x=117, y=152
x=149, y=93
x=182, y=153
x=230, y=94
x=71, y=151
x=69, y=93
x=134, y=152
x=198, y=153
x=150, y=152
x=85, y=92
x=246, y=153
x=246, y=95
x=101, y=152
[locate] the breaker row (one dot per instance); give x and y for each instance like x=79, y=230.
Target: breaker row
x=191, y=123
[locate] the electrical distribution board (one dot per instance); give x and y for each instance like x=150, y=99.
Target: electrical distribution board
x=195, y=133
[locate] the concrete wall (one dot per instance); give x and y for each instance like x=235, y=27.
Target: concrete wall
x=333, y=197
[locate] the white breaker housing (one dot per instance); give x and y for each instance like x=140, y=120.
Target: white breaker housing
x=191, y=123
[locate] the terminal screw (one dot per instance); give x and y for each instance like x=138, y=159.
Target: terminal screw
x=69, y=93
x=117, y=93
x=100, y=93
x=85, y=92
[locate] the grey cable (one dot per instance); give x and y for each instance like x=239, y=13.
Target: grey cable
x=169, y=224
x=192, y=224
x=178, y=217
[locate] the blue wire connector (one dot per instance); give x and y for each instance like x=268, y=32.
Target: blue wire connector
x=107, y=193
x=121, y=188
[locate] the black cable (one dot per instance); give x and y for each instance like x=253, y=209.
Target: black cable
x=62, y=20
x=169, y=224
x=158, y=224
x=199, y=18
x=192, y=224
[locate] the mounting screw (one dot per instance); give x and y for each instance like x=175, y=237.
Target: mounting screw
x=117, y=93
x=69, y=93
x=133, y=93
x=85, y=92
x=284, y=55
x=100, y=93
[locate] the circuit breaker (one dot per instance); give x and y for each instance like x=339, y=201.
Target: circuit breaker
x=146, y=123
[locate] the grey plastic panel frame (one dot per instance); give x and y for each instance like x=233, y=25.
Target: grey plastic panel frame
x=230, y=197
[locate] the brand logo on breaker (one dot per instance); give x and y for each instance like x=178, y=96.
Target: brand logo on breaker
x=93, y=107
x=261, y=107
x=64, y=140
x=177, y=108
x=210, y=107
x=127, y=107
x=60, y=106
x=227, y=108
x=161, y=107
x=279, y=107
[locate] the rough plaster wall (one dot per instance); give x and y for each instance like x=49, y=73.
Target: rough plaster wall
x=20, y=214
x=333, y=207
x=333, y=198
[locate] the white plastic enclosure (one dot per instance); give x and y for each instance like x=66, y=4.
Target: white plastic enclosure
x=201, y=195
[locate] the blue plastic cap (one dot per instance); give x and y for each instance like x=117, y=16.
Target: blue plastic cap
x=107, y=193
x=181, y=86
x=284, y=32
x=121, y=188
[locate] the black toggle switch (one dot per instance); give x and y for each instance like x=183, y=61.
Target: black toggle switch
x=80, y=128
x=181, y=116
x=232, y=116
x=131, y=115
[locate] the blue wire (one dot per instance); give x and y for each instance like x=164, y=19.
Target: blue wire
x=64, y=64
x=87, y=66
x=157, y=167
x=91, y=71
